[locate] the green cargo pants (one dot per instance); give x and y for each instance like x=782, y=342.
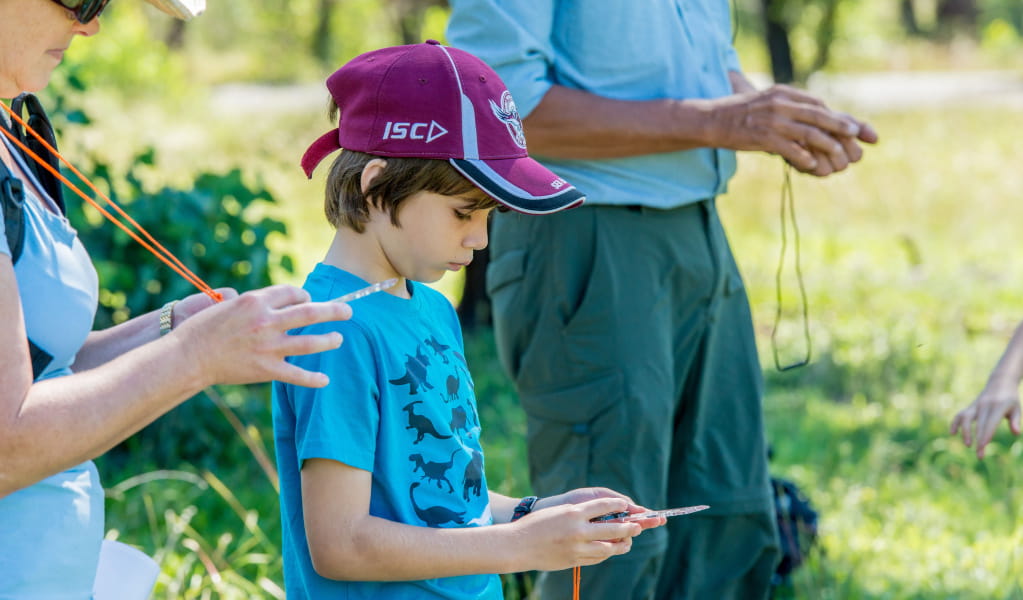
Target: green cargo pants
x=627, y=333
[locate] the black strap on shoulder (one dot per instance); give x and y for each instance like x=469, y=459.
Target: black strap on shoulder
x=12, y=192
x=40, y=359
x=12, y=196
x=40, y=123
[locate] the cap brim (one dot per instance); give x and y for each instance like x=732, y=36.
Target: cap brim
x=521, y=184
x=182, y=9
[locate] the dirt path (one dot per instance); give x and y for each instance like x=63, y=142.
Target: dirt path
x=864, y=91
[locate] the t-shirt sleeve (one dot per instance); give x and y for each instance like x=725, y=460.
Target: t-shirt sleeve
x=339, y=421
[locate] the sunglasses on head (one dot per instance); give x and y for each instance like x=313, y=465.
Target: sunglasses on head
x=84, y=10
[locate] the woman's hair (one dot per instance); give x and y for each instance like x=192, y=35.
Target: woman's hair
x=346, y=205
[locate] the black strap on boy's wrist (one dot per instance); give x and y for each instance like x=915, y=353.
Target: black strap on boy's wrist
x=524, y=507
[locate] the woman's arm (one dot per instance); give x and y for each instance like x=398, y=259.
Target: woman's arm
x=347, y=543
x=104, y=345
x=54, y=424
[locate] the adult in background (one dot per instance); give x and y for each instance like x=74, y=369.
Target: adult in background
x=100, y=386
x=624, y=324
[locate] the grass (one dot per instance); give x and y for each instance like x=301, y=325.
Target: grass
x=912, y=289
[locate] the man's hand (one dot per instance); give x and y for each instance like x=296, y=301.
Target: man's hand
x=793, y=124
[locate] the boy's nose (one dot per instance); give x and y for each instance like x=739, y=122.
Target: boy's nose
x=477, y=238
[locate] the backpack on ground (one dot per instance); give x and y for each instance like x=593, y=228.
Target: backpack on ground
x=797, y=527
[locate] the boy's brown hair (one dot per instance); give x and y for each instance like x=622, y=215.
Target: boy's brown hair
x=346, y=205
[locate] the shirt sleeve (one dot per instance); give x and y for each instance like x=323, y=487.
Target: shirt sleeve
x=339, y=421
x=724, y=20
x=514, y=38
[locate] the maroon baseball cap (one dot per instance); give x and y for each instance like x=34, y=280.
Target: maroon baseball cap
x=433, y=101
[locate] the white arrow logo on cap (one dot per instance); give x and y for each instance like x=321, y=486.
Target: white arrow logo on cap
x=435, y=131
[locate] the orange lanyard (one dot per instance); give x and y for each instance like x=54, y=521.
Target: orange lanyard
x=149, y=243
x=576, y=580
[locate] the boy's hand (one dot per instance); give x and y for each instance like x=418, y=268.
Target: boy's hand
x=1000, y=399
x=562, y=536
x=580, y=495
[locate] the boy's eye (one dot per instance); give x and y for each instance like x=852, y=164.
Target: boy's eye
x=463, y=215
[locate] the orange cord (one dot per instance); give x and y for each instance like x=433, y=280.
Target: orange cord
x=576, y=581
x=159, y=251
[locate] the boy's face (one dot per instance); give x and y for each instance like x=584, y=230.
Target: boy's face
x=437, y=234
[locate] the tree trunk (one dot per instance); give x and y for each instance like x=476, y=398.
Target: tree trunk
x=907, y=15
x=323, y=33
x=175, y=38
x=825, y=35
x=776, y=35
x=963, y=13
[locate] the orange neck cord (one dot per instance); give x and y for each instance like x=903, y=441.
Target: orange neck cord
x=149, y=243
x=576, y=580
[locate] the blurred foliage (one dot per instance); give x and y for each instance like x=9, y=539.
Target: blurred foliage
x=215, y=228
x=288, y=41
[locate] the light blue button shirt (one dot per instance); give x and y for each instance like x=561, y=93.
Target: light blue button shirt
x=51, y=532
x=621, y=49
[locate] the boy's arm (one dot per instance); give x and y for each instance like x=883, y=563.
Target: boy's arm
x=998, y=400
x=347, y=543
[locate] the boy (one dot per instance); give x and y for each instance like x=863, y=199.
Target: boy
x=383, y=493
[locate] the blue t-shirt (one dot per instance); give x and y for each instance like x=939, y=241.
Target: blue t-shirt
x=51, y=532
x=620, y=49
x=400, y=405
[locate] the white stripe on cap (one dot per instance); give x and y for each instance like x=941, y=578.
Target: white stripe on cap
x=510, y=187
x=470, y=141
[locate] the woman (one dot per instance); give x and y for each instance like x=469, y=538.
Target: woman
x=101, y=386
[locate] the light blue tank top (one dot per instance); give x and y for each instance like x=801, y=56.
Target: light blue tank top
x=51, y=532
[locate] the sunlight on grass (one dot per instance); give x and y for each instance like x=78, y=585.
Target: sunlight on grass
x=912, y=295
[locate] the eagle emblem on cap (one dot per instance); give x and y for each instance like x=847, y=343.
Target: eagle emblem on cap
x=509, y=115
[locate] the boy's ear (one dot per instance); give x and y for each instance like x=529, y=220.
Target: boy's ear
x=370, y=171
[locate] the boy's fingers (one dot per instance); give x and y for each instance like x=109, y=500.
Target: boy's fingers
x=602, y=506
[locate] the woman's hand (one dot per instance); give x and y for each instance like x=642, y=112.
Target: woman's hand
x=245, y=338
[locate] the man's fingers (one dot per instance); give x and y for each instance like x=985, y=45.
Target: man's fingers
x=867, y=133
x=851, y=148
x=797, y=156
x=789, y=92
x=832, y=123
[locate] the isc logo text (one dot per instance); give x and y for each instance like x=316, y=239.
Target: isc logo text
x=413, y=131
